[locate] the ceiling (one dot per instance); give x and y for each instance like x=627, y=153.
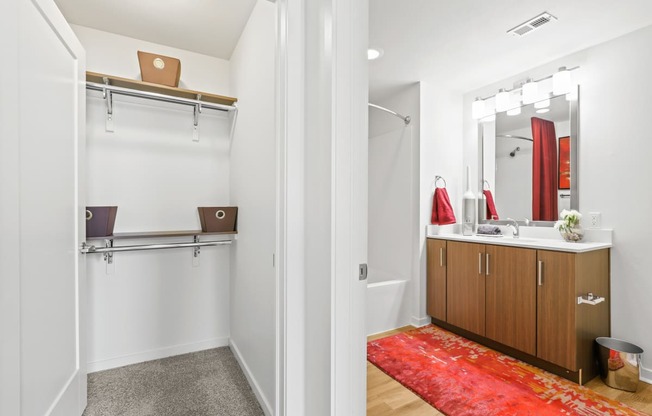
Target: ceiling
x=209, y=27
x=464, y=43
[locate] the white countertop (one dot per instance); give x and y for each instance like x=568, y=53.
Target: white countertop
x=532, y=237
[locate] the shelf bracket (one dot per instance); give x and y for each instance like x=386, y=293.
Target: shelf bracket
x=108, y=257
x=195, y=252
x=195, y=122
x=108, y=99
x=590, y=299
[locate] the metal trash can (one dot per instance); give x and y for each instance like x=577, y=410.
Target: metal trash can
x=619, y=363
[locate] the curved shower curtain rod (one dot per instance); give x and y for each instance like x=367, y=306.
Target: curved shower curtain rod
x=511, y=136
x=406, y=119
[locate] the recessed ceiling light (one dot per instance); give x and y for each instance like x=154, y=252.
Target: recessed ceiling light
x=374, y=53
x=543, y=110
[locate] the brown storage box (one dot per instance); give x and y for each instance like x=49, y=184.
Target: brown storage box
x=100, y=221
x=159, y=69
x=218, y=219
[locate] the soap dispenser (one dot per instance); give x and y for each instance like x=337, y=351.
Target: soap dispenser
x=468, y=206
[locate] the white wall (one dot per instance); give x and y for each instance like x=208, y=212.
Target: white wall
x=393, y=213
x=441, y=154
x=614, y=166
x=253, y=190
x=112, y=54
x=390, y=203
x=512, y=189
x=155, y=303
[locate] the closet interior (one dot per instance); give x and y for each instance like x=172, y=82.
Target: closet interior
x=158, y=286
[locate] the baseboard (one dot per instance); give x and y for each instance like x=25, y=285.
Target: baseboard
x=252, y=380
x=419, y=322
x=646, y=375
x=156, y=354
x=67, y=402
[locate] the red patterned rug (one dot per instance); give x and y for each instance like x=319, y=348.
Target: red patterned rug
x=460, y=377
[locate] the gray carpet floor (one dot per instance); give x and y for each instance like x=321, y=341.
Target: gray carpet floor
x=205, y=383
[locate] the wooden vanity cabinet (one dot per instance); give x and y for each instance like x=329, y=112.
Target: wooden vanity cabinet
x=522, y=301
x=465, y=286
x=566, y=330
x=436, y=279
x=511, y=295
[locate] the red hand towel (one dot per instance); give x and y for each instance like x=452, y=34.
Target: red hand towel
x=492, y=214
x=442, y=211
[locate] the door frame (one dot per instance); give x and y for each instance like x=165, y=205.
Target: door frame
x=321, y=77
x=74, y=392
x=9, y=210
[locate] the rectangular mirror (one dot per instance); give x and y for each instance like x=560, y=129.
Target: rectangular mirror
x=529, y=161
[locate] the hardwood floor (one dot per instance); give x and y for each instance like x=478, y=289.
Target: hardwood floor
x=386, y=396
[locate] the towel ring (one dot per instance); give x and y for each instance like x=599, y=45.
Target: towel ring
x=485, y=182
x=437, y=178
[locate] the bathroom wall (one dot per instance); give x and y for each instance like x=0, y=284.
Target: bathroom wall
x=393, y=202
x=441, y=154
x=614, y=109
x=253, y=190
x=154, y=304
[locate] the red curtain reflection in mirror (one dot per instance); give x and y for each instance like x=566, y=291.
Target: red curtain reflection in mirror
x=544, y=170
x=564, y=163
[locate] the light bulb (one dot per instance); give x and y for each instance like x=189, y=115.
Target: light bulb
x=530, y=92
x=542, y=104
x=374, y=53
x=477, y=108
x=561, y=82
x=502, y=100
x=514, y=111
x=572, y=96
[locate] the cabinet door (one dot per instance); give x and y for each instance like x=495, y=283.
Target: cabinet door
x=556, y=341
x=436, y=283
x=511, y=296
x=465, y=286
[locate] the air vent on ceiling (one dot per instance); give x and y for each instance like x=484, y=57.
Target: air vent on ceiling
x=532, y=24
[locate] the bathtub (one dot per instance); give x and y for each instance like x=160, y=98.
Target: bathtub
x=387, y=302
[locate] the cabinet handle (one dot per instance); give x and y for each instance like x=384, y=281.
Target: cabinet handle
x=441, y=256
x=540, y=273
x=479, y=263
x=486, y=266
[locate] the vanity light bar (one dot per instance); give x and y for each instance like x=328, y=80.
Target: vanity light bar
x=536, y=80
x=561, y=85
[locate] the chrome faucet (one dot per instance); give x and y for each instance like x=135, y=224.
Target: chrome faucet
x=514, y=225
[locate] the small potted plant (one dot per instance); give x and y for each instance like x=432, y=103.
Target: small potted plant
x=569, y=225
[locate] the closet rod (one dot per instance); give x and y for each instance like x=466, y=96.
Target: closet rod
x=158, y=97
x=87, y=249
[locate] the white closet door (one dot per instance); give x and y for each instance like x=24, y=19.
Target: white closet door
x=42, y=213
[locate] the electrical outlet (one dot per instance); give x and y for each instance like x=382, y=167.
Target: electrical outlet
x=594, y=220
